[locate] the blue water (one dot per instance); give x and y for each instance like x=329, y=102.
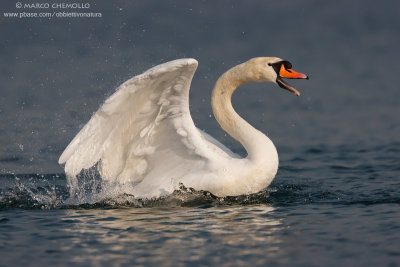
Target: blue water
x=336, y=198
x=327, y=206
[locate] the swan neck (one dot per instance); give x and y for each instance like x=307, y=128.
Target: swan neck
x=254, y=141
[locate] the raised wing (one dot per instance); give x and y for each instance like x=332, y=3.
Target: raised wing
x=144, y=131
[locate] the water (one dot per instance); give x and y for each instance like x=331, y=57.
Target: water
x=336, y=197
x=327, y=206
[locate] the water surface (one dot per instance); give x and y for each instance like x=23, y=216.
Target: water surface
x=320, y=210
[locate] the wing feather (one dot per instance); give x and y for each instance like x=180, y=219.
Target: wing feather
x=146, y=122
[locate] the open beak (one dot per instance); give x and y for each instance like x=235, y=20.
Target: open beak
x=289, y=74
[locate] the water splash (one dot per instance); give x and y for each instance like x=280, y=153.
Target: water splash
x=340, y=177
x=52, y=191
x=31, y=191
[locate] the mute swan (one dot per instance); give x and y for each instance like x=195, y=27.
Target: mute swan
x=144, y=137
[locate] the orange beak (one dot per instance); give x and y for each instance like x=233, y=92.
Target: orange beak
x=286, y=72
x=291, y=74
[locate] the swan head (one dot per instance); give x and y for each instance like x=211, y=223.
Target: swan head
x=273, y=69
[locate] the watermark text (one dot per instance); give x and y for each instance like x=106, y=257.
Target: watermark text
x=52, y=10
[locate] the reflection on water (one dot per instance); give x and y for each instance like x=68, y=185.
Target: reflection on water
x=172, y=235
x=330, y=206
x=304, y=235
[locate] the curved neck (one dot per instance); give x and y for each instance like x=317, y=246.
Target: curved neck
x=255, y=142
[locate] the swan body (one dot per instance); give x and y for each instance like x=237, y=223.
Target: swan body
x=144, y=137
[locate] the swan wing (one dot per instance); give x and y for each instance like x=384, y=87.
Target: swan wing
x=144, y=130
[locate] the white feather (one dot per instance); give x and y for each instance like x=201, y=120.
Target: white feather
x=144, y=130
x=143, y=135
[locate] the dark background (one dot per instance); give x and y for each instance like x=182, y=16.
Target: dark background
x=54, y=73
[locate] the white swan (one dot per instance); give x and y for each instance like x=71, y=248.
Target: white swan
x=144, y=137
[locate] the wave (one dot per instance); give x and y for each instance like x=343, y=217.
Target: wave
x=51, y=191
